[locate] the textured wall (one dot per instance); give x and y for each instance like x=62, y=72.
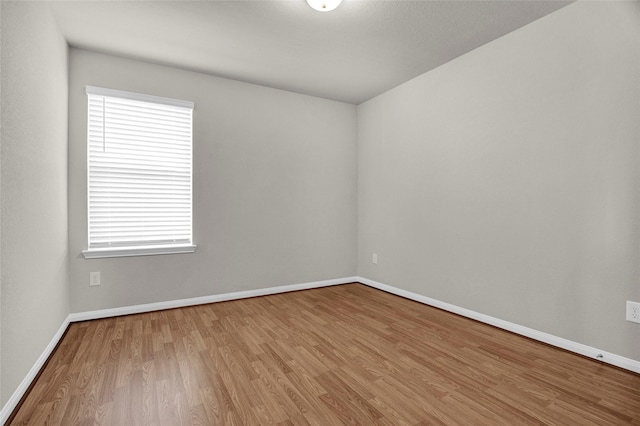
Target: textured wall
x=506, y=181
x=34, y=256
x=274, y=188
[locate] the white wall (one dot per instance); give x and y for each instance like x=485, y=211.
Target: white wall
x=506, y=181
x=33, y=254
x=274, y=188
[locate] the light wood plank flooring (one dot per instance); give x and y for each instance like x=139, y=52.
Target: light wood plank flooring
x=339, y=355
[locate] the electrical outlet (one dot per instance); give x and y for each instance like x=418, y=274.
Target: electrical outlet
x=633, y=311
x=374, y=259
x=94, y=278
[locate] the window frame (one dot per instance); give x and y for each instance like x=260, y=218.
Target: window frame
x=137, y=250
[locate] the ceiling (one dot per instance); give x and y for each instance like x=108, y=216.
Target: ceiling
x=359, y=50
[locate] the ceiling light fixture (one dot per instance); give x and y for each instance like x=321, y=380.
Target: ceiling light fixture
x=324, y=5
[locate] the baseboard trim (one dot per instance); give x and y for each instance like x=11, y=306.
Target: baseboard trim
x=569, y=345
x=150, y=307
x=13, y=402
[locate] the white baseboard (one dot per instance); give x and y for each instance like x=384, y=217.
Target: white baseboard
x=31, y=375
x=149, y=307
x=579, y=348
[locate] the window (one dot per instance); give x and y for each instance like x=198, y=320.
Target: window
x=139, y=154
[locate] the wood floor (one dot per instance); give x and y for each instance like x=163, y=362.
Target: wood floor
x=338, y=355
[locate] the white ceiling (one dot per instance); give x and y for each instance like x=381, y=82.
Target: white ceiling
x=351, y=54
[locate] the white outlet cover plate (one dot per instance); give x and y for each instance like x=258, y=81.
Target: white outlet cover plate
x=94, y=278
x=633, y=311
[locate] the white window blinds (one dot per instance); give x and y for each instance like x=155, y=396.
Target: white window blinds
x=139, y=170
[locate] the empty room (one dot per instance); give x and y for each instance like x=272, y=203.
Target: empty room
x=320, y=212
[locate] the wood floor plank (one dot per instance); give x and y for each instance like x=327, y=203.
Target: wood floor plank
x=338, y=355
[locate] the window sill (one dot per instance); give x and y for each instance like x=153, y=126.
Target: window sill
x=137, y=251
